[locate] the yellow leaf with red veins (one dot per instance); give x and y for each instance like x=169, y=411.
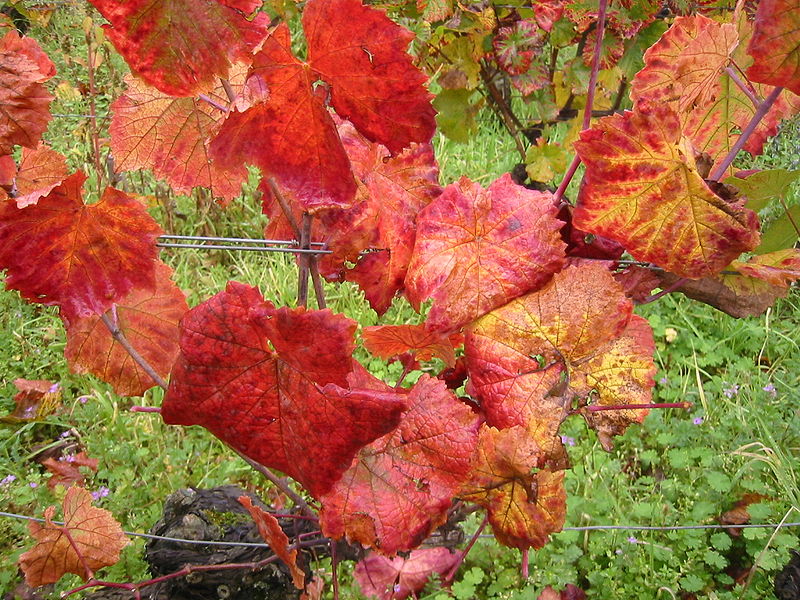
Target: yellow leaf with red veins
x=574, y=339
x=524, y=506
x=775, y=45
x=90, y=539
x=643, y=190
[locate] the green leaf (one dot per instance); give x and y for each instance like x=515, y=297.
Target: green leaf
x=761, y=187
x=691, y=583
x=456, y=115
x=718, y=481
x=721, y=541
x=633, y=60
x=781, y=233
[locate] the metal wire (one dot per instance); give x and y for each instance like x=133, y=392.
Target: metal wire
x=223, y=243
x=582, y=528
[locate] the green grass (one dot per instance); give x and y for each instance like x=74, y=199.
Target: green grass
x=668, y=471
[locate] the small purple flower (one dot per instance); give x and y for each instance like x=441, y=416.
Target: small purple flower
x=697, y=420
x=101, y=493
x=632, y=540
x=663, y=381
x=69, y=458
x=83, y=399
x=66, y=434
x=569, y=441
x=33, y=484
x=618, y=551
x=731, y=391
x=8, y=479
x=770, y=389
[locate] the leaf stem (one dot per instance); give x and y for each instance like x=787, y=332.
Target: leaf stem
x=604, y=407
x=742, y=86
x=117, y=334
x=452, y=572
x=762, y=110
x=509, y=118
x=303, y=262
x=212, y=102
x=587, y=113
x=280, y=483
x=226, y=85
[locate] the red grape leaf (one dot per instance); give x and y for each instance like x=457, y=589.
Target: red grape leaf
x=65, y=470
x=686, y=70
x=638, y=282
x=24, y=101
x=151, y=130
x=36, y=399
x=477, y=249
x=529, y=359
x=271, y=531
x=361, y=54
x=182, y=46
x=643, y=190
x=30, y=49
x=40, y=171
x=397, y=578
x=273, y=383
x=397, y=189
x=386, y=341
x=775, y=45
x=297, y=141
x=149, y=321
x=80, y=257
x=524, y=506
x=398, y=489
x=90, y=536
x=8, y=171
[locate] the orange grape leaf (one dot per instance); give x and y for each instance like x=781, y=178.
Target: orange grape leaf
x=524, y=506
x=752, y=290
x=30, y=49
x=529, y=359
x=271, y=531
x=386, y=341
x=90, y=539
x=275, y=384
x=65, y=470
x=361, y=54
x=297, y=141
x=182, y=46
x=36, y=399
x=151, y=130
x=643, y=190
x=686, y=70
x=399, y=577
x=149, y=321
x=775, y=45
x=24, y=101
x=40, y=171
x=80, y=257
x=398, y=488
x=477, y=249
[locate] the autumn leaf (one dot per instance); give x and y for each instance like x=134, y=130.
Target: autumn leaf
x=36, y=399
x=271, y=532
x=65, y=470
x=89, y=539
x=40, y=171
x=574, y=339
x=643, y=190
x=686, y=69
x=181, y=46
x=82, y=258
x=361, y=54
x=275, y=384
x=297, y=142
x=477, y=249
x=399, y=577
x=525, y=503
x=151, y=130
x=149, y=321
x=24, y=101
x=386, y=341
x=775, y=45
x=30, y=49
x=398, y=489
x=748, y=292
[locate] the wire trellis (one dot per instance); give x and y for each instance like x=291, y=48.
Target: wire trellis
x=577, y=528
